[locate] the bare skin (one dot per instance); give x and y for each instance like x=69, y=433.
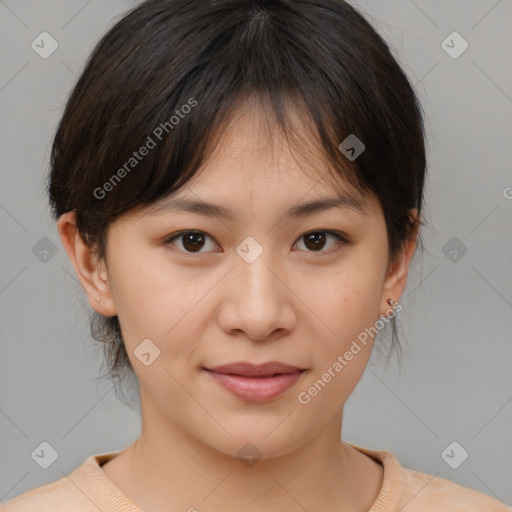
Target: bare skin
x=292, y=304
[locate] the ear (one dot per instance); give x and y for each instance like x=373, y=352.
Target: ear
x=91, y=272
x=396, y=278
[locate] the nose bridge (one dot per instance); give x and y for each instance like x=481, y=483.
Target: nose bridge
x=253, y=271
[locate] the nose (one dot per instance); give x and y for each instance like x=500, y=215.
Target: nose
x=258, y=300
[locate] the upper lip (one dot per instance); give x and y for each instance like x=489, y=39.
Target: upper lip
x=250, y=370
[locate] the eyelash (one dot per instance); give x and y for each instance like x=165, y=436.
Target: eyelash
x=342, y=240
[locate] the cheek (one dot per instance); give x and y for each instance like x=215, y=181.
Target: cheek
x=168, y=305
x=347, y=308
x=345, y=342
x=345, y=302
x=152, y=297
x=327, y=391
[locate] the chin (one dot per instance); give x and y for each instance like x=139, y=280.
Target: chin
x=254, y=441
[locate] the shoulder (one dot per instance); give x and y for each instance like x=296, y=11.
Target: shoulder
x=55, y=496
x=77, y=491
x=414, y=491
x=422, y=492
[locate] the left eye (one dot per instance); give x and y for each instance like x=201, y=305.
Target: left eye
x=193, y=241
x=315, y=240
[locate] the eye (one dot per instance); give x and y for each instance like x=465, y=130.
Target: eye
x=316, y=240
x=192, y=241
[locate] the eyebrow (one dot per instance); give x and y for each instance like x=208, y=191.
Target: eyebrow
x=206, y=209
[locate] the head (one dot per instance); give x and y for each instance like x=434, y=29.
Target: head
x=246, y=105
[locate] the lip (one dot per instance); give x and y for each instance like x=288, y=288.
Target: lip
x=251, y=370
x=256, y=383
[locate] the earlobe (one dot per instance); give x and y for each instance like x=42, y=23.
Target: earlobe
x=396, y=278
x=89, y=270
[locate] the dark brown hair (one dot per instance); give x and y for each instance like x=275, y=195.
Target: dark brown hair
x=170, y=72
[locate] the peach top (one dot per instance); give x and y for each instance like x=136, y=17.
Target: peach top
x=88, y=489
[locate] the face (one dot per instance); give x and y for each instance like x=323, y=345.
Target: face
x=256, y=286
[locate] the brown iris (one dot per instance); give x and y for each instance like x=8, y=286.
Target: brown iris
x=314, y=241
x=193, y=241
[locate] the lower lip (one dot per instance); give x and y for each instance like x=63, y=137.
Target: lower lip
x=256, y=389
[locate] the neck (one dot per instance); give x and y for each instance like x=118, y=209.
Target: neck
x=168, y=468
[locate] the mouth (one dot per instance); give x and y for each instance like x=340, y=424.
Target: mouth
x=244, y=369
x=256, y=383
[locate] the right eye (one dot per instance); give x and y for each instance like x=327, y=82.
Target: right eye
x=191, y=241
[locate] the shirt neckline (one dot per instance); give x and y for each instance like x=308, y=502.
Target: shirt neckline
x=104, y=488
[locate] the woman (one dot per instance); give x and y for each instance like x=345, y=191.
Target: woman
x=239, y=187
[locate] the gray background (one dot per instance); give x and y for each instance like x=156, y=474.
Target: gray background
x=455, y=383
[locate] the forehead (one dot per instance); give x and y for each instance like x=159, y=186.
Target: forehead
x=252, y=140
x=254, y=161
